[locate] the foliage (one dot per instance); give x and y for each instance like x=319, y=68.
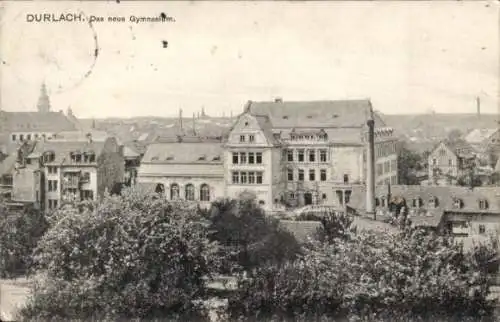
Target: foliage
x=372, y=276
x=130, y=256
x=20, y=231
x=334, y=226
x=409, y=162
x=251, y=238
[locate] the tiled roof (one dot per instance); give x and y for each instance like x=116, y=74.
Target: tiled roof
x=62, y=149
x=129, y=152
x=206, y=152
x=445, y=196
x=460, y=147
x=314, y=114
x=477, y=136
x=80, y=136
x=35, y=122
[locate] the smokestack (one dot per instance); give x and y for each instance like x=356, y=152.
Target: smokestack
x=370, y=175
x=194, y=124
x=478, y=106
x=180, y=118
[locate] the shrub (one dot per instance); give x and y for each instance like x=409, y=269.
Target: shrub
x=371, y=276
x=252, y=239
x=20, y=231
x=130, y=256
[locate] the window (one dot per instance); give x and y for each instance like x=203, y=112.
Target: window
x=86, y=176
x=21, y=137
x=28, y=137
x=236, y=177
x=322, y=155
x=87, y=195
x=322, y=175
x=258, y=156
x=291, y=195
x=450, y=162
x=434, y=161
x=312, y=155
x=323, y=196
x=259, y=177
x=52, y=185
x=312, y=175
x=262, y=202
x=204, y=192
x=301, y=175
x=482, y=229
x=243, y=157
x=346, y=178
x=290, y=174
x=457, y=203
x=251, y=177
x=92, y=157
x=289, y=155
x=417, y=203
x=251, y=138
x=300, y=153
x=174, y=191
x=243, y=177
x=433, y=202
x=442, y=152
x=251, y=157
x=52, y=203
x=483, y=204
x=13, y=137
x=160, y=188
x=242, y=138
x=235, y=157
x=189, y=192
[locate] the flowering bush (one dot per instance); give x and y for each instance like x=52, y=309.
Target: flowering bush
x=371, y=276
x=20, y=231
x=129, y=256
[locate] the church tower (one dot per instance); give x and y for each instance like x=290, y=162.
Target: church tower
x=43, y=105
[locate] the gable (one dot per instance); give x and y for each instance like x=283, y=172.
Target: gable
x=250, y=129
x=436, y=153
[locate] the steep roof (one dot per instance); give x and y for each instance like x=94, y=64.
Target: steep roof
x=478, y=136
x=7, y=165
x=35, y=122
x=458, y=146
x=184, y=152
x=80, y=135
x=445, y=196
x=314, y=114
x=62, y=149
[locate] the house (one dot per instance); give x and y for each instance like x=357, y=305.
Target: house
x=184, y=169
x=484, y=141
x=461, y=211
x=59, y=172
x=450, y=160
x=18, y=127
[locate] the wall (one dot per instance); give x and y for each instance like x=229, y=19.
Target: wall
x=442, y=154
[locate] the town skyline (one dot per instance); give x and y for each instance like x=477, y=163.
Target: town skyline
x=219, y=60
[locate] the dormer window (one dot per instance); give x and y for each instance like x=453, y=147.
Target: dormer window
x=433, y=202
x=216, y=158
x=155, y=158
x=170, y=158
x=91, y=157
x=242, y=138
x=457, y=203
x=202, y=158
x=417, y=202
x=251, y=138
x=285, y=117
x=483, y=204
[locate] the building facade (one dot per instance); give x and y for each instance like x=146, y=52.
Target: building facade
x=190, y=170
x=56, y=173
x=449, y=161
x=285, y=154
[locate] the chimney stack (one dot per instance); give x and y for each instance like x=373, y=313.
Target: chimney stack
x=370, y=175
x=478, y=106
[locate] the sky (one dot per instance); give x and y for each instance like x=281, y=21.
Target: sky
x=407, y=57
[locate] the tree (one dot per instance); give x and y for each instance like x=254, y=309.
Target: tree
x=409, y=162
x=376, y=276
x=251, y=237
x=20, y=231
x=130, y=256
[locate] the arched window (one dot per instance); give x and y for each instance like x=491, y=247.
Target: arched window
x=458, y=203
x=160, y=188
x=483, y=204
x=174, y=191
x=433, y=202
x=204, y=192
x=189, y=192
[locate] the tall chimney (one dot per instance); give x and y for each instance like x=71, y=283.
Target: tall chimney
x=194, y=124
x=478, y=106
x=370, y=175
x=180, y=118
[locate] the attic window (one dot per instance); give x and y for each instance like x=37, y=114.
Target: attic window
x=285, y=117
x=309, y=116
x=457, y=203
x=170, y=158
x=335, y=116
x=483, y=204
x=246, y=123
x=433, y=202
x=202, y=158
x=216, y=158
